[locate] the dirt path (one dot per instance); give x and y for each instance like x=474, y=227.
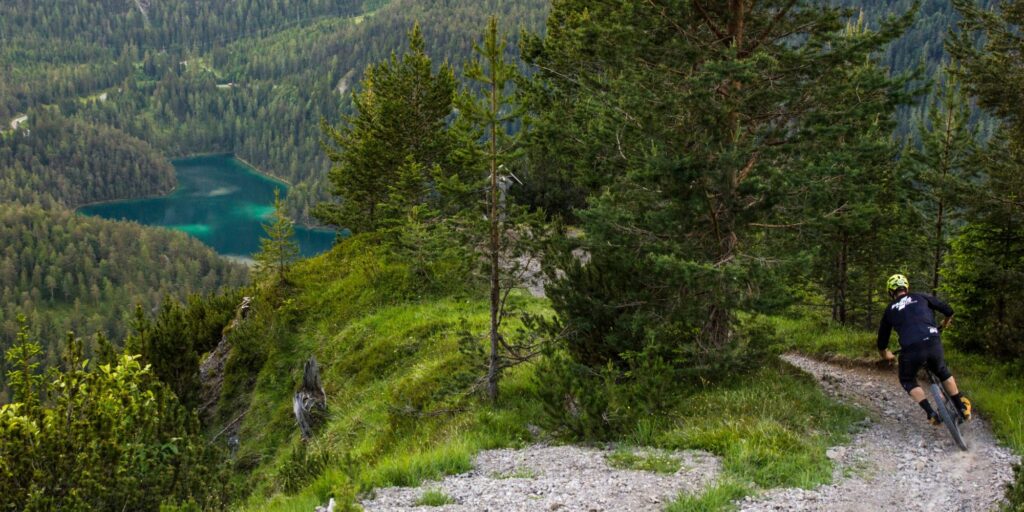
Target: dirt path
x=900, y=462
x=17, y=121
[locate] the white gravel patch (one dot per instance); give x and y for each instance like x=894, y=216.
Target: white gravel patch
x=564, y=478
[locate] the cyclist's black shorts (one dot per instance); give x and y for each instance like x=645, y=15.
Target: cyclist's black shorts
x=926, y=352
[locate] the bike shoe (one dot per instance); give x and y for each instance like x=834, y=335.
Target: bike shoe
x=934, y=419
x=965, y=408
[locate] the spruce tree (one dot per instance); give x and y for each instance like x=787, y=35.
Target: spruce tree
x=943, y=168
x=685, y=122
x=848, y=199
x=400, y=114
x=987, y=258
x=279, y=250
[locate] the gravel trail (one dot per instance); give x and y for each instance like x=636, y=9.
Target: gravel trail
x=563, y=478
x=897, y=462
x=900, y=461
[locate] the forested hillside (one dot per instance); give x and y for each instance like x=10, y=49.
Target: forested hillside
x=111, y=90
x=59, y=50
x=921, y=50
x=72, y=162
x=66, y=272
x=83, y=273
x=256, y=84
x=274, y=90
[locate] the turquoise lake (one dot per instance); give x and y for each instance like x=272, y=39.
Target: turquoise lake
x=219, y=200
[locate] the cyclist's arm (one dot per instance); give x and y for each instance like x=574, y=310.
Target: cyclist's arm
x=884, y=333
x=937, y=304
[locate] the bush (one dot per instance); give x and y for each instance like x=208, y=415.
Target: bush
x=600, y=403
x=583, y=403
x=110, y=437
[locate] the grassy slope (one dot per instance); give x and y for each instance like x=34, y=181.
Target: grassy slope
x=396, y=383
x=399, y=412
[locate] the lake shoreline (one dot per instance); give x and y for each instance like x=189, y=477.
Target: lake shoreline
x=235, y=156
x=139, y=198
x=218, y=198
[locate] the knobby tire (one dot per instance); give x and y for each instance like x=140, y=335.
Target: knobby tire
x=949, y=418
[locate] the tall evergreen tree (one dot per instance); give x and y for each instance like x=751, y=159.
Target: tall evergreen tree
x=487, y=121
x=987, y=260
x=687, y=117
x=400, y=114
x=944, y=171
x=845, y=197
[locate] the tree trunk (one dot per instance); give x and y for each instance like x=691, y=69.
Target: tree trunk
x=946, y=157
x=938, y=249
x=717, y=330
x=839, y=307
x=492, y=366
x=737, y=19
x=869, y=312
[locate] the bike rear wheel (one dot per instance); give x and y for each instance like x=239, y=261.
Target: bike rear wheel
x=950, y=416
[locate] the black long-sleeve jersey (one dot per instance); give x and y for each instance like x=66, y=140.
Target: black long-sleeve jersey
x=913, y=319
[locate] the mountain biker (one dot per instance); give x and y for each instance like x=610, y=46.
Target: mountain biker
x=911, y=314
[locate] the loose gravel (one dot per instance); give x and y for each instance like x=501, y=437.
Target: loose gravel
x=563, y=478
x=899, y=461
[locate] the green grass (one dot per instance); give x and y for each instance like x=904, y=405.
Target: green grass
x=434, y=498
x=823, y=338
x=771, y=428
x=654, y=461
x=718, y=497
x=400, y=406
x=400, y=410
x=996, y=391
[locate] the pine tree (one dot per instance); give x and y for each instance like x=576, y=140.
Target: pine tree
x=279, y=250
x=487, y=120
x=987, y=258
x=848, y=198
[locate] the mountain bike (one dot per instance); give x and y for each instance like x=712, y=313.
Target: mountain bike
x=946, y=409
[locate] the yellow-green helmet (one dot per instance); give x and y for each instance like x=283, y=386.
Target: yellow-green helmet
x=897, y=281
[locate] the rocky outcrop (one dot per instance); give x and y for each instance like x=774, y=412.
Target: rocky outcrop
x=211, y=369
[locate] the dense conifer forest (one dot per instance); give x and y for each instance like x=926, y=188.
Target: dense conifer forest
x=68, y=161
